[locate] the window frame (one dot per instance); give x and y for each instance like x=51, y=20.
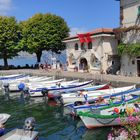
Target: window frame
x=90, y=45
x=83, y=46
x=76, y=47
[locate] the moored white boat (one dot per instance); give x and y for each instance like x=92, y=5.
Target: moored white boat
x=33, y=84
x=73, y=97
x=11, y=75
x=20, y=134
x=122, y=97
x=88, y=88
x=108, y=116
x=75, y=86
x=9, y=78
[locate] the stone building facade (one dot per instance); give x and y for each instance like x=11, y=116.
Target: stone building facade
x=130, y=19
x=97, y=56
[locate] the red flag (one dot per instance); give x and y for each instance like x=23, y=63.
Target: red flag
x=87, y=37
x=81, y=38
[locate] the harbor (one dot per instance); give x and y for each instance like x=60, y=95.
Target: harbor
x=39, y=108
x=70, y=70
x=118, y=79
x=51, y=123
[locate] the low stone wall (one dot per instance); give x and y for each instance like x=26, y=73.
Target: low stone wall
x=115, y=79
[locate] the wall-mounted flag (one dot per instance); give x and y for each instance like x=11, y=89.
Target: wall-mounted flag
x=84, y=37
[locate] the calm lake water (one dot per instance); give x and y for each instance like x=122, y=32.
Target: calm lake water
x=50, y=120
x=46, y=57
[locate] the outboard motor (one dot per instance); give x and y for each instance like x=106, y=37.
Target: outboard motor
x=29, y=124
x=44, y=92
x=6, y=85
x=77, y=103
x=6, y=90
x=26, y=92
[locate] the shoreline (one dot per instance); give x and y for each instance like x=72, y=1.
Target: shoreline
x=115, y=79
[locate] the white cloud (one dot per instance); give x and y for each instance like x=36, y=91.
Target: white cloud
x=74, y=31
x=5, y=6
x=24, y=54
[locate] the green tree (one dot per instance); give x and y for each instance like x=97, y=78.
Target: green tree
x=44, y=32
x=9, y=38
x=132, y=50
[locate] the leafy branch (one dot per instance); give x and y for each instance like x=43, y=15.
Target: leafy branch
x=133, y=50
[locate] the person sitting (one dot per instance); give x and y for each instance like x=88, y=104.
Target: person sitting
x=80, y=92
x=100, y=100
x=41, y=66
x=58, y=84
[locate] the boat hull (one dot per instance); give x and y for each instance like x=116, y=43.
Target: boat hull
x=94, y=123
x=37, y=92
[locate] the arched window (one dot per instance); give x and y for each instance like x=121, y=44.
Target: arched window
x=83, y=46
x=90, y=45
x=76, y=46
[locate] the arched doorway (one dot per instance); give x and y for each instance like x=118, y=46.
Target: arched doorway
x=138, y=66
x=83, y=65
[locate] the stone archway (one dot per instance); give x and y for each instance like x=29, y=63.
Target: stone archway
x=83, y=64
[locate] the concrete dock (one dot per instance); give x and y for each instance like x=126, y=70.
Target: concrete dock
x=118, y=79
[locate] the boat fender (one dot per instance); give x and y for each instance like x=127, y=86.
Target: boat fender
x=21, y=86
x=116, y=110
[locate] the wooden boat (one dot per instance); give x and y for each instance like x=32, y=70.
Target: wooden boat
x=53, y=83
x=109, y=116
x=115, y=99
x=73, y=97
x=56, y=95
x=38, y=92
x=20, y=134
x=13, y=77
x=98, y=87
x=32, y=79
x=34, y=84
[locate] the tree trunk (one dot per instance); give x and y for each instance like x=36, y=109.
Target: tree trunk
x=5, y=63
x=38, y=55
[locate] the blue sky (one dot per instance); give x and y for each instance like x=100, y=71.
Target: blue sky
x=80, y=15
